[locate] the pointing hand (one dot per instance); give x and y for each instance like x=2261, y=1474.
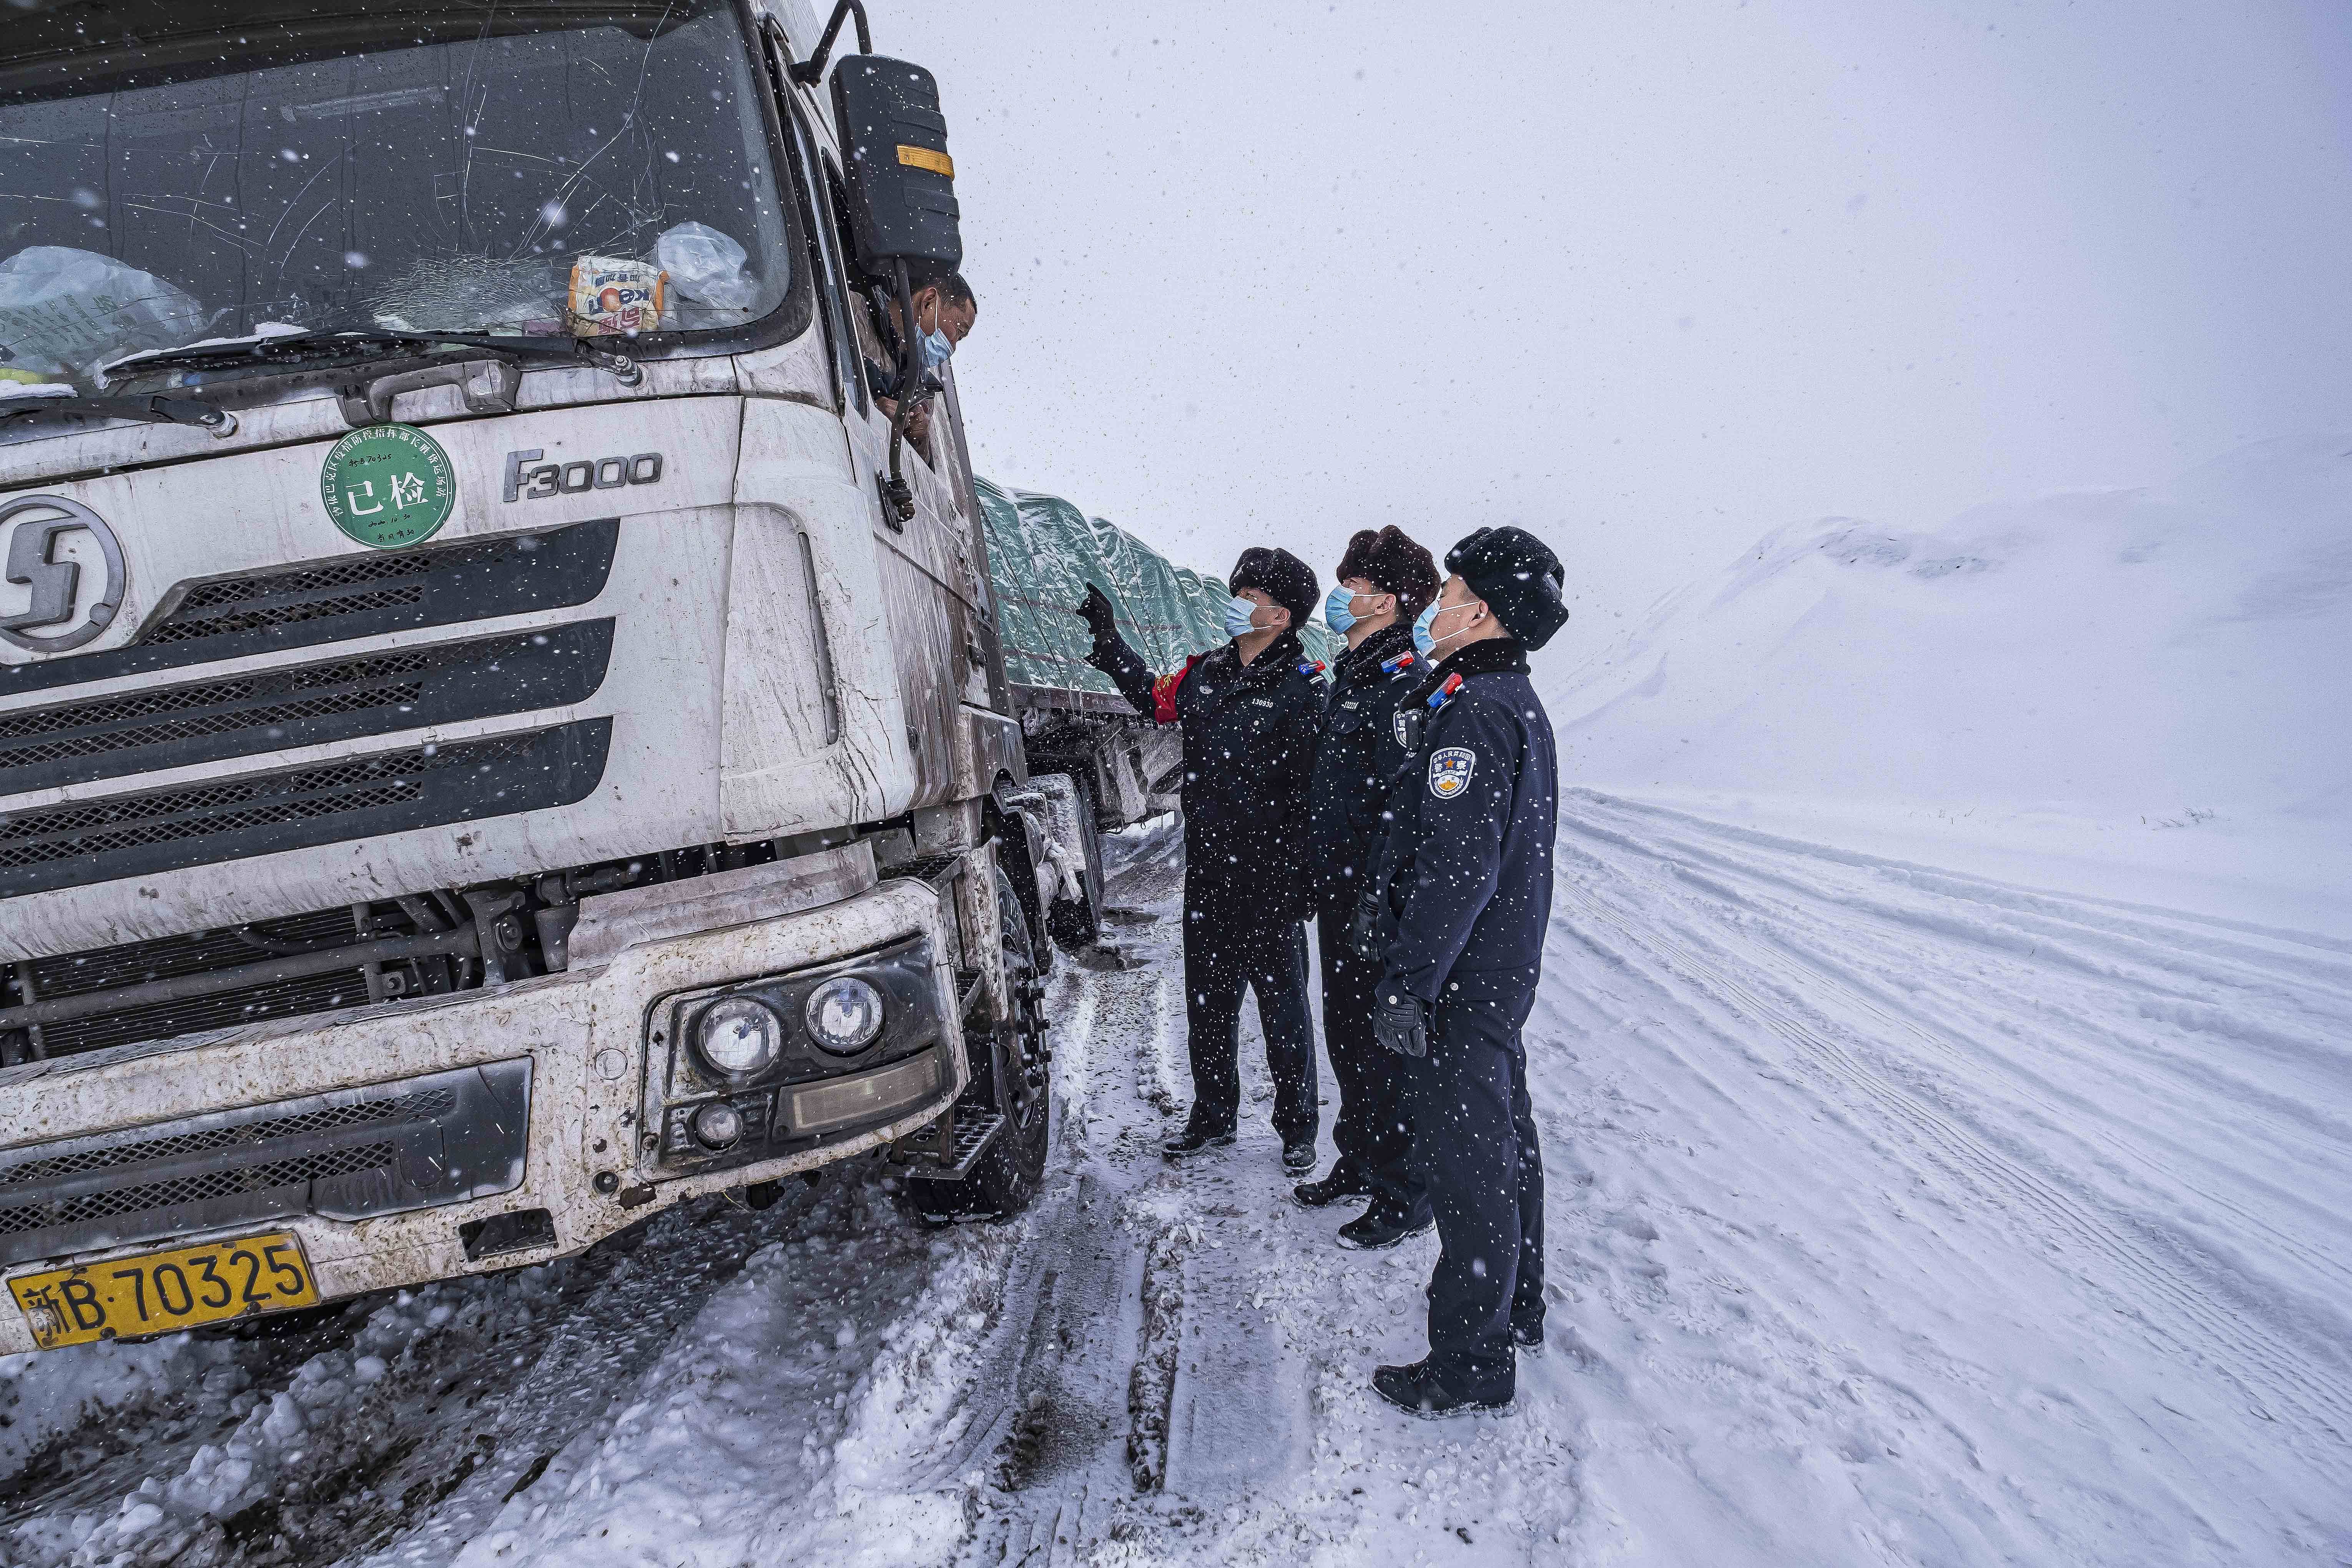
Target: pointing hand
x=1097, y=611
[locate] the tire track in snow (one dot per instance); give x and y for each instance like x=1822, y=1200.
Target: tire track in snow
x=1184, y=1380
x=2275, y=1377
x=1805, y=944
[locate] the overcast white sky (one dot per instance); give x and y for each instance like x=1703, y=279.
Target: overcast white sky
x=1645, y=277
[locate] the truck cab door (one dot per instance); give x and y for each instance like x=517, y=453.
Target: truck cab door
x=933, y=575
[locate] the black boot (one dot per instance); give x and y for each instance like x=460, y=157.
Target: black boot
x=1528, y=1337
x=1196, y=1137
x=1379, y=1228
x=1344, y=1181
x=1298, y=1154
x=1420, y=1390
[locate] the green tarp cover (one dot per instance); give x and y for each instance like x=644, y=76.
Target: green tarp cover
x=1041, y=553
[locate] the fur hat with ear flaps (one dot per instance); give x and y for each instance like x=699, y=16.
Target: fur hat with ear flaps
x=1284, y=577
x=1394, y=563
x=1519, y=578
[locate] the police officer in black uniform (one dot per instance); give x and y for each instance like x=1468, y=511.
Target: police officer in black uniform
x=1250, y=710
x=1461, y=910
x=1385, y=579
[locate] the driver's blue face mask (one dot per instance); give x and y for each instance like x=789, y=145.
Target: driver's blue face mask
x=937, y=347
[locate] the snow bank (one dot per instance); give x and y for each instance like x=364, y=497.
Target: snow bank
x=2147, y=679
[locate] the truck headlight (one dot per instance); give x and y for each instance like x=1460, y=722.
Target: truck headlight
x=718, y=1125
x=737, y=1036
x=844, y=1015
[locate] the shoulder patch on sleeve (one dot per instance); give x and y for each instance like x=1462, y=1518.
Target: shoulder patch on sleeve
x=1450, y=768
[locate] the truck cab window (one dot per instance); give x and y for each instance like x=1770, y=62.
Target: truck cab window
x=877, y=338
x=602, y=169
x=832, y=284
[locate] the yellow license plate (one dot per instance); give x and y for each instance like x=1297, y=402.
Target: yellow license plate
x=158, y=1292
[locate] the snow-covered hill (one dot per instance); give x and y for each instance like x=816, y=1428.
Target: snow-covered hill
x=2139, y=690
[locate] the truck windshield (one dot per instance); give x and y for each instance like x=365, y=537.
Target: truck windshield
x=173, y=172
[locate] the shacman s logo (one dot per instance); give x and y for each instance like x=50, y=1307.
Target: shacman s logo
x=67, y=557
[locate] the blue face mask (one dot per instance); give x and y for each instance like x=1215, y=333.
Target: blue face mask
x=1336, y=613
x=1423, y=642
x=1238, y=613
x=937, y=347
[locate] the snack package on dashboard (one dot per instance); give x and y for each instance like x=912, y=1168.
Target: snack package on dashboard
x=616, y=294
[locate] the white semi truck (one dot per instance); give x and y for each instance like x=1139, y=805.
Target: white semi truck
x=499, y=732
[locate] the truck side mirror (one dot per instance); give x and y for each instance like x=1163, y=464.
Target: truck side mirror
x=902, y=205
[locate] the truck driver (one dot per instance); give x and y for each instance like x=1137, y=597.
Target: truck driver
x=945, y=313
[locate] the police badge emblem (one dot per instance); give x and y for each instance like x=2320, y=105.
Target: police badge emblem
x=1449, y=771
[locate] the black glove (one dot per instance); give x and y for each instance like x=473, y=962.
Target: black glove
x=1364, y=929
x=1401, y=1020
x=1097, y=613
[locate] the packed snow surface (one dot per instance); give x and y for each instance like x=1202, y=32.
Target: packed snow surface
x=1896, y=1216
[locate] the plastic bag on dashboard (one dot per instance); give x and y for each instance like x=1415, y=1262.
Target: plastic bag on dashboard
x=67, y=310
x=708, y=266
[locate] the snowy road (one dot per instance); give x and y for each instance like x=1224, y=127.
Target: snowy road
x=1896, y=1216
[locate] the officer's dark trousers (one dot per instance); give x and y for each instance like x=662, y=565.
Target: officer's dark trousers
x=1373, y=1131
x=1475, y=1144
x=1232, y=943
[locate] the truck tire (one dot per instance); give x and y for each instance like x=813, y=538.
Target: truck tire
x=1009, y=1171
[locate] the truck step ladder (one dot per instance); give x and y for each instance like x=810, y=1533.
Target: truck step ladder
x=974, y=1130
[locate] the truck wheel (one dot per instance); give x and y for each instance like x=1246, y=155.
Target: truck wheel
x=1010, y=1170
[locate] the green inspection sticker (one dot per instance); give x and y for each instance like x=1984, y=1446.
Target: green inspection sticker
x=388, y=486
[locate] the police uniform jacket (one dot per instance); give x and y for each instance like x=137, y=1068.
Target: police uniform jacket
x=1249, y=749
x=1356, y=759
x=1469, y=857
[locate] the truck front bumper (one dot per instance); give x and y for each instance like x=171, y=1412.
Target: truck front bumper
x=420, y=1141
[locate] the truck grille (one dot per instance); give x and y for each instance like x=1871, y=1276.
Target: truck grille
x=321, y=602
x=301, y=705
x=438, y=1138
x=81, y=842
x=423, y=1105
x=221, y=1010
x=244, y=604
x=324, y=960
x=298, y=1172
x=108, y=971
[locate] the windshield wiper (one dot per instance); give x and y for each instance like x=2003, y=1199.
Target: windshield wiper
x=313, y=347
x=156, y=409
